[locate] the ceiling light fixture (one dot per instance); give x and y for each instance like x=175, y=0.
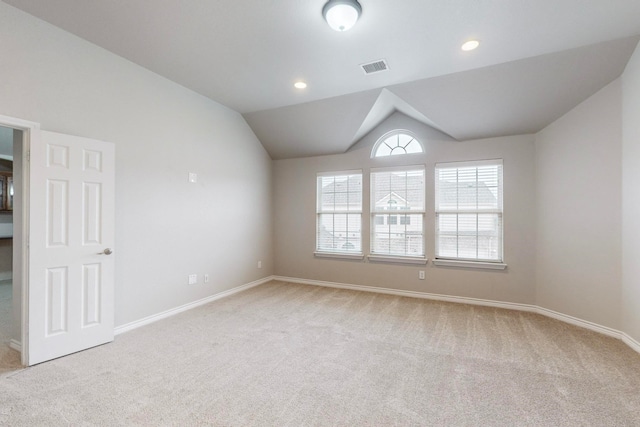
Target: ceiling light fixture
x=300, y=85
x=470, y=45
x=341, y=15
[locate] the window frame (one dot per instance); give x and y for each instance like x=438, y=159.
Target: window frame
x=383, y=139
x=375, y=212
x=336, y=253
x=475, y=262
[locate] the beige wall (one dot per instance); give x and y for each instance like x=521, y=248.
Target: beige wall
x=578, y=182
x=166, y=228
x=295, y=204
x=631, y=197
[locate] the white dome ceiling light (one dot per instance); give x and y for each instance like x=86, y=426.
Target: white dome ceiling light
x=341, y=15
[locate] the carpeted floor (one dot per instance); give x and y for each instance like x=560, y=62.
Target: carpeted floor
x=9, y=358
x=294, y=355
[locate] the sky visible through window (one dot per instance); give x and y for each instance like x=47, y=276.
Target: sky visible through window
x=396, y=144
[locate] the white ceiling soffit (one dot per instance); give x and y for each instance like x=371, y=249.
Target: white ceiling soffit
x=515, y=98
x=246, y=54
x=312, y=129
x=387, y=104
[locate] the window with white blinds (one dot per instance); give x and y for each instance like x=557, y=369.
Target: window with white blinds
x=397, y=211
x=469, y=211
x=339, y=213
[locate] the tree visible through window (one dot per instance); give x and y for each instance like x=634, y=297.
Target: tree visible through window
x=395, y=143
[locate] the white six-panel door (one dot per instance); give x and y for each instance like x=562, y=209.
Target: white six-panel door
x=71, y=245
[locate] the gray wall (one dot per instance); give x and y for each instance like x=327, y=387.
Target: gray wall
x=295, y=204
x=166, y=228
x=631, y=197
x=579, y=202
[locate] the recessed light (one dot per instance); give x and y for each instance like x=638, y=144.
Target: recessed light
x=470, y=45
x=300, y=85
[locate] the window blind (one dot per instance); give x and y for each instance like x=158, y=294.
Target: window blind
x=397, y=211
x=339, y=212
x=469, y=199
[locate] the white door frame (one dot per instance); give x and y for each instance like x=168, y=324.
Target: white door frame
x=30, y=135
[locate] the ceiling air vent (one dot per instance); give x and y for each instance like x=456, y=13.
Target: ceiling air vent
x=375, y=67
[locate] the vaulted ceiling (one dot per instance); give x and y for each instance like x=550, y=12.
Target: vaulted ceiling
x=537, y=60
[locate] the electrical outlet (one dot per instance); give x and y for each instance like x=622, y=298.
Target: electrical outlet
x=206, y=278
x=421, y=274
x=193, y=177
x=193, y=279
x=259, y=264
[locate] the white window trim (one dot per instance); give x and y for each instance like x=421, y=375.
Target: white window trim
x=465, y=263
x=342, y=172
x=469, y=264
x=384, y=137
x=340, y=254
x=397, y=259
x=373, y=256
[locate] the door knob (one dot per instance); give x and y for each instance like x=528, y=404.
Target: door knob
x=107, y=251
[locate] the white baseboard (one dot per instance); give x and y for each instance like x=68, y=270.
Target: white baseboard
x=172, y=312
x=411, y=294
x=631, y=342
x=580, y=322
x=475, y=301
x=635, y=345
x=16, y=345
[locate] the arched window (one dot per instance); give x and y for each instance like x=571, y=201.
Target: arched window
x=396, y=142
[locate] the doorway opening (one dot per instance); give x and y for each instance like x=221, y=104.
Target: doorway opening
x=10, y=284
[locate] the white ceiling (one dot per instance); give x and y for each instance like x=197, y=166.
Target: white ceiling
x=247, y=54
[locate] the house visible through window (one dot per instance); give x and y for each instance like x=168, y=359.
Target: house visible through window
x=339, y=212
x=469, y=211
x=396, y=142
x=397, y=192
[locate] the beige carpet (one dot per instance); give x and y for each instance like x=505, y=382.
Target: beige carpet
x=294, y=355
x=9, y=358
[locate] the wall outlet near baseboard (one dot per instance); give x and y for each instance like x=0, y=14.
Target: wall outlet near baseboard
x=421, y=274
x=193, y=279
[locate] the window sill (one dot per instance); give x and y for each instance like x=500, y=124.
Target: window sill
x=398, y=259
x=469, y=264
x=339, y=255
